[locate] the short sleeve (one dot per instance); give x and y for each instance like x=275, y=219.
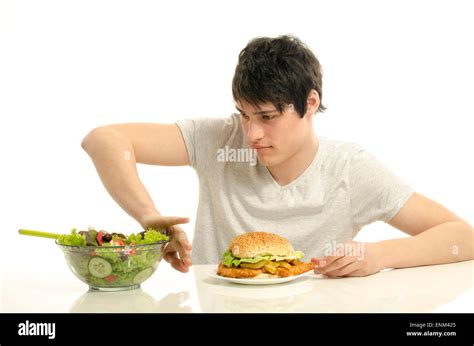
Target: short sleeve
x=377, y=194
x=203, y=137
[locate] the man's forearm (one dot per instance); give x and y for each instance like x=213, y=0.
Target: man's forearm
x=446, y=243
x=115, y=162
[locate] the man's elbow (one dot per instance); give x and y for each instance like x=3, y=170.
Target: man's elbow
x=94, y=135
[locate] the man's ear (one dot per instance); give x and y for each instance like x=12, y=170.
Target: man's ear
x=312, y=102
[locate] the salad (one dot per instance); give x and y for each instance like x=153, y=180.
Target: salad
x=103, y=259
x=103, y=238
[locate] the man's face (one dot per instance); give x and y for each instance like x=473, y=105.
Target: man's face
x=276, y=136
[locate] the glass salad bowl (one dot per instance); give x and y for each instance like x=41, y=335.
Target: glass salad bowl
x=114, y=268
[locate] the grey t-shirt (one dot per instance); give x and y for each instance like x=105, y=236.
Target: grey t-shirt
x=343, y=189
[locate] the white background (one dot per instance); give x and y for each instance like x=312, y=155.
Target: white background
x=397, y=79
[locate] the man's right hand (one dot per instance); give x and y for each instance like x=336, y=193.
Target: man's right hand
x=178, y=251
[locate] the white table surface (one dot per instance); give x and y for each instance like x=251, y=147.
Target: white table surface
x=439, y=288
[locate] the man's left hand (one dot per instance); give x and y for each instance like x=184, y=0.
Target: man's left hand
x=350, y=259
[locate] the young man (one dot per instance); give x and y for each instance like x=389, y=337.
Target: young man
x=313, y=191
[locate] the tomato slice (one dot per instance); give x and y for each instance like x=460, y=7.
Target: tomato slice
x=100, y=235
x=111, y=278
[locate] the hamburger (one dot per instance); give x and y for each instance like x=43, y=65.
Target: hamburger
x=262, y=255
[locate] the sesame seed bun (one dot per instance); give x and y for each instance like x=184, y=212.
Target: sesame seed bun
x=254, y=244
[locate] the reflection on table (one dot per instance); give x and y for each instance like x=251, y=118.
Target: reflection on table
x=133, y=301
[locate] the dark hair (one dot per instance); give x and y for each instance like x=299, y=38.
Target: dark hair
x=279, y=70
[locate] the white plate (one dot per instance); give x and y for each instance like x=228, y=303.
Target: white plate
x=251, y=281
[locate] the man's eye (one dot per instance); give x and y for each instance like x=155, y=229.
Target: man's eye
x=244, y=116
x=267, y=117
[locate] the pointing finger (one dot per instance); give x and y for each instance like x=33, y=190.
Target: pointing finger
x=174, y=220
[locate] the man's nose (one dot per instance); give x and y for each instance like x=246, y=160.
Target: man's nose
x=254, y=131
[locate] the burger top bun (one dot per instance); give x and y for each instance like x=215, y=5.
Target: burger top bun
x=260, y=244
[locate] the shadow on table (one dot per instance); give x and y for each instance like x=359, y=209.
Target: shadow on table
x=132, y=301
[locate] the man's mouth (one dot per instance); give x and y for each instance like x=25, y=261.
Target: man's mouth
x=259, y=147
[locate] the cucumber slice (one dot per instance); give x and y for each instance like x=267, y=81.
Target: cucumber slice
x=99, y=267
x=142, y=276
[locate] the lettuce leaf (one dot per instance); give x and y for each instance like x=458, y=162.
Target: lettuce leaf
x=228, y=259
x=72, y=239
x=151, y=236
